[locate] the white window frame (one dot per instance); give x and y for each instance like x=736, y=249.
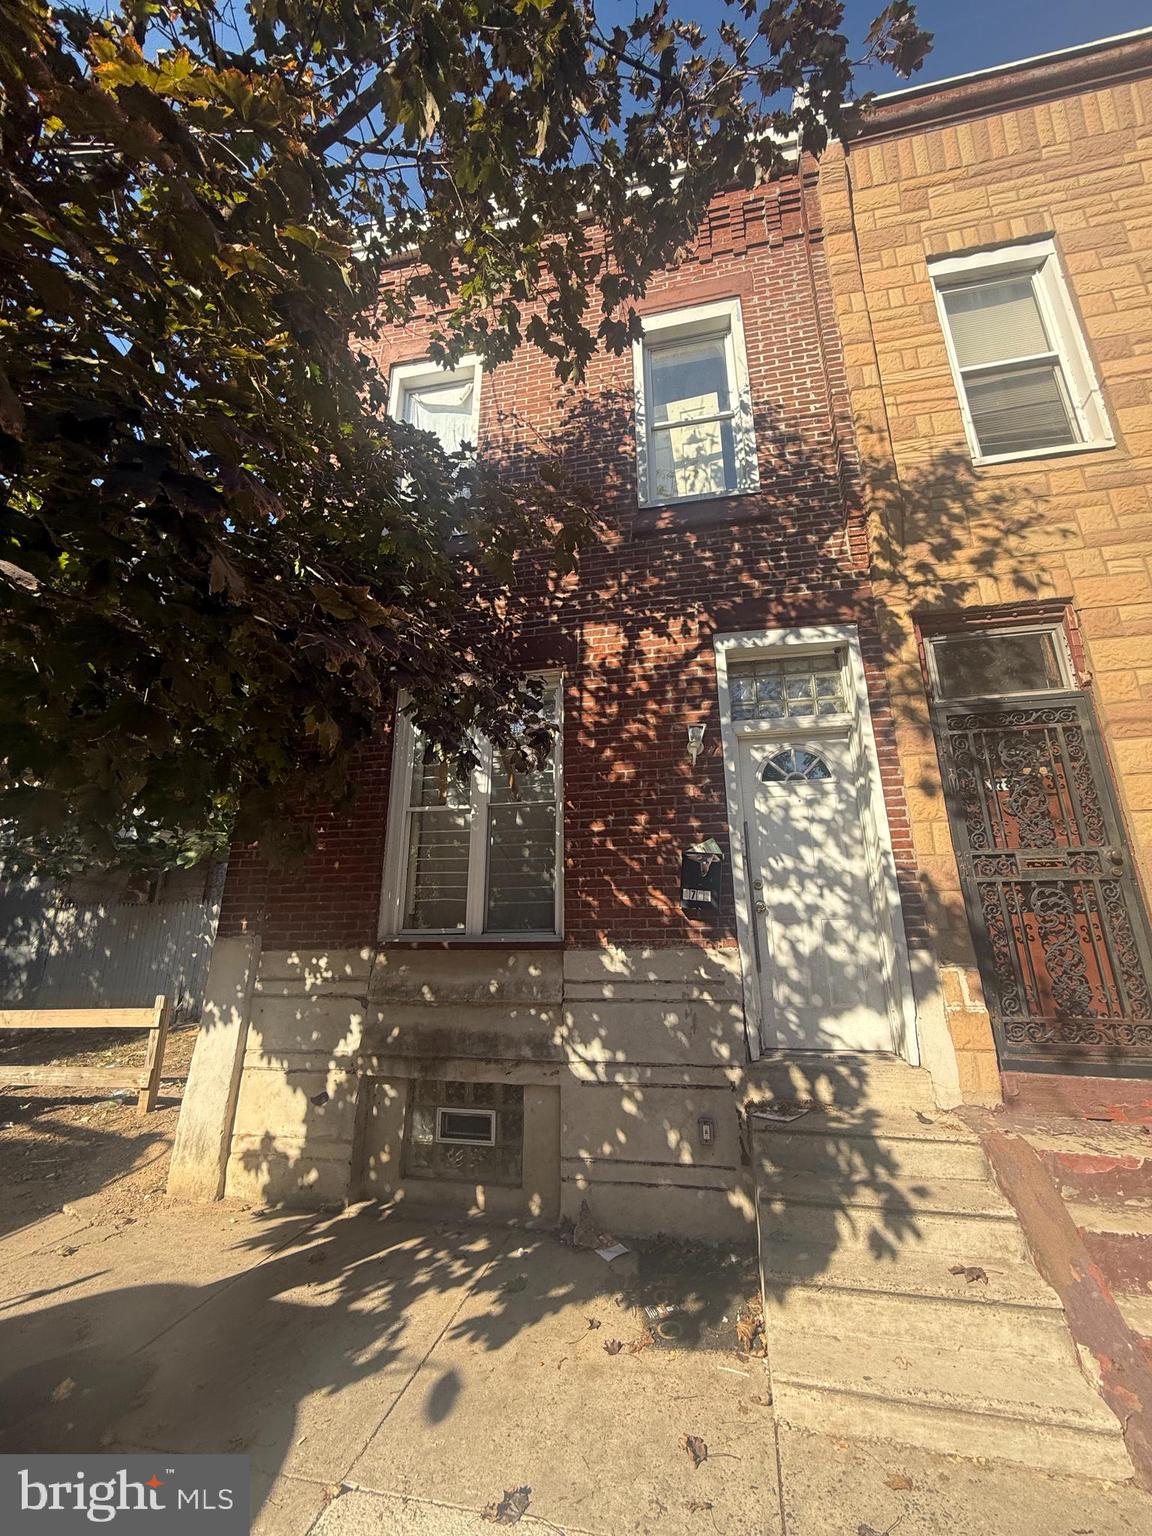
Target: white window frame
x=399, y=831
x=1082, y=391
x=703, y=321
x=994, y=631
x=464, y=1141
x=406, y=377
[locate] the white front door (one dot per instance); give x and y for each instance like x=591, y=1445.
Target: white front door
x=816, y=931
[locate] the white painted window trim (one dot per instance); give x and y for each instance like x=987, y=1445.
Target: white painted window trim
x=1081, y=386
x=398, y=831
x=420, y=375
x=1055, y=628
x=857, y=726
x=463, y=1141
x=721, y=319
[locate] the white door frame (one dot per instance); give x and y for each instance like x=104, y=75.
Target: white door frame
x=751, y=645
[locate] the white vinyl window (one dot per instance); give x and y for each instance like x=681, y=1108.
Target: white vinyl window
x=445, y=402
x=694, y=430
x=472, y=857
x=1022, y=371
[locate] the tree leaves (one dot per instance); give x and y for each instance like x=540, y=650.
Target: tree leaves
x=220, y=560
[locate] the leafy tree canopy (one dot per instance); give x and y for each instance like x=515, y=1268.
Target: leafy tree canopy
x=218, y=558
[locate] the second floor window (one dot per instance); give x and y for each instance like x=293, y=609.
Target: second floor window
x=1022, y=370
x=445, y=402
x=475, y=856
x=694, y=432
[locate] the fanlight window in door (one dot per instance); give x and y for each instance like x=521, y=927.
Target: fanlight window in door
x=794, y=765
x=788, y=687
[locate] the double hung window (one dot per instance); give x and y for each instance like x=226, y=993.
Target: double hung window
x=478, y=855
x=1022, y=371
x=694, y=432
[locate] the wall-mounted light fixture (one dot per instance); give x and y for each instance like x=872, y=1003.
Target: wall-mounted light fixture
x=695, y=742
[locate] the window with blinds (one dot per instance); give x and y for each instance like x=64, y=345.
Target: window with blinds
x=478, y=853
x=1022, y=371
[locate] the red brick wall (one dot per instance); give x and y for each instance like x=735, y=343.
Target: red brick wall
x=633, y=627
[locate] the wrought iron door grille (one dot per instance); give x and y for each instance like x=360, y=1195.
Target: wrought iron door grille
x=1059, y=926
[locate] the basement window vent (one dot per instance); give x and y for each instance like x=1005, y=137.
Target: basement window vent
x=465, y=1131
x=471, y=1127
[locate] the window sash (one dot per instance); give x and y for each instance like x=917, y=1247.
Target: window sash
x=411, y=380
x=719, y=322
x=1056, y=662
x=406, y=818
x=652, y=348
x=1066, y=353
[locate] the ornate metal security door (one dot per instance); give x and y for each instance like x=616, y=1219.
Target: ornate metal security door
x=1058, y=922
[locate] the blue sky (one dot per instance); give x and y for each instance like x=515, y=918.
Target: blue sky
x=971, y=34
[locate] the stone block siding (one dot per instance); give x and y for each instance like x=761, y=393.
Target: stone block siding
x=947, y=536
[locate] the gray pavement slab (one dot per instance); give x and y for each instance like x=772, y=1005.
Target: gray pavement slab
x=839, y=1487
x=521, y=1392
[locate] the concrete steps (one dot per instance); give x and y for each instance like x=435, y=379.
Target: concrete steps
x=863, y=1209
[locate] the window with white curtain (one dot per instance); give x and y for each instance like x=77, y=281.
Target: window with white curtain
x=1022, y=370
x=478, y=855
x=694, y=432
x=445, y=402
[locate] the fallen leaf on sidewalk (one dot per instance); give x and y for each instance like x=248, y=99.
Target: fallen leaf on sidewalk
x=511, y=1508
x=970, y=1272
x=593, y=1322
x=696, y=1449
x=612, y=1346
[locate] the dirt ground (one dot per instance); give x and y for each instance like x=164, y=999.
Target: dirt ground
x=59, y=1146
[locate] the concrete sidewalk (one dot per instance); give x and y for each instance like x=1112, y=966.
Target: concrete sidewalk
x=395, y=1376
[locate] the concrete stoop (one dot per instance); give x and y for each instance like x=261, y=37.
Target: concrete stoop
x=865, y=1206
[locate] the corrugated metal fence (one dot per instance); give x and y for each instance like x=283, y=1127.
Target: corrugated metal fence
x=57, y=952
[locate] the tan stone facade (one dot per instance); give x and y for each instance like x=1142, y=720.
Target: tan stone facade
x=1061, y=149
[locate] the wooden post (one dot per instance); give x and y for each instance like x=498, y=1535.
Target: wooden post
x=154, y=1066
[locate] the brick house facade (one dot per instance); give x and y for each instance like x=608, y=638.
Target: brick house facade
x=1039, y=174
x=631, y=1026
x=876, y=487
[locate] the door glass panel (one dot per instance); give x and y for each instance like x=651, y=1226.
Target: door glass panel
x=795, y=765
x=989, y=665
